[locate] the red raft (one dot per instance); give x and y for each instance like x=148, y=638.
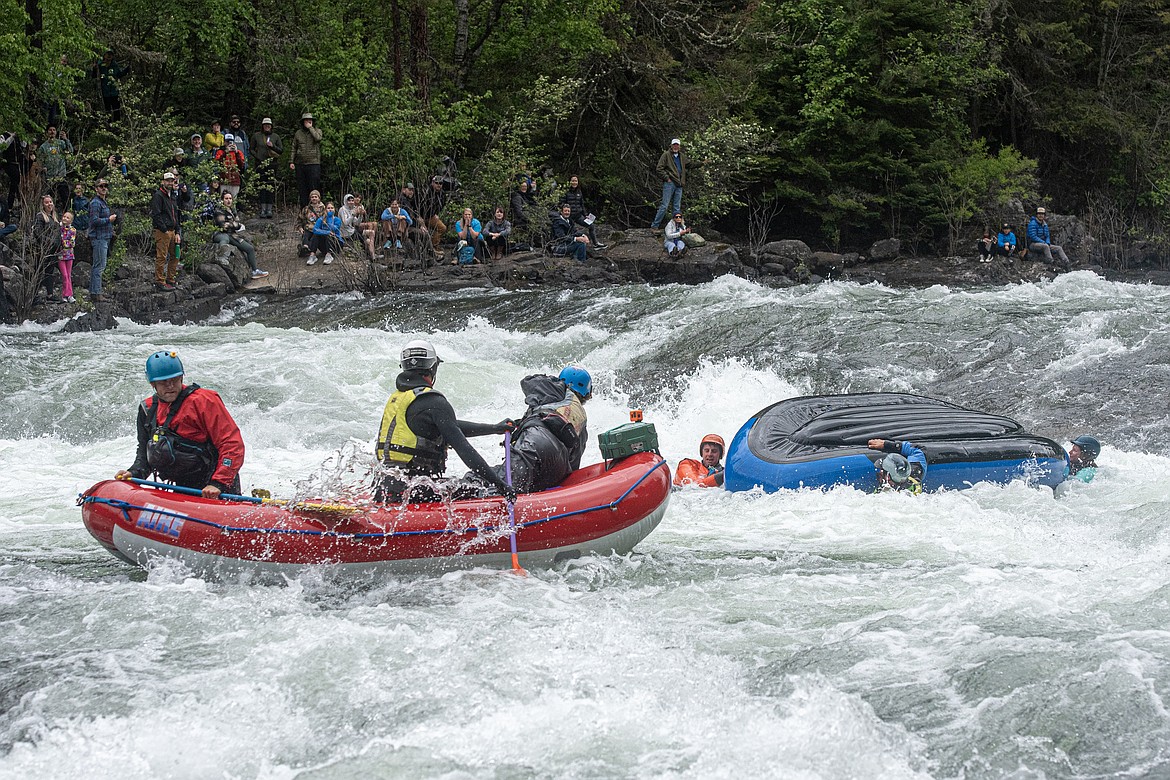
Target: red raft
x=604, y=508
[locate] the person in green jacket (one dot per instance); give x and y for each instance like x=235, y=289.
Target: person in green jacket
x=306, y=158
x=52, y=156
x=672, y=167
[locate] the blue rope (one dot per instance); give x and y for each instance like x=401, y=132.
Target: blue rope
x=126, y=506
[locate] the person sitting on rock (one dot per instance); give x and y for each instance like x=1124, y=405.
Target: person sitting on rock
x=566, y=240
x=675, y=230
x=706, y=472
x=984, y=245
x=578, y=214
x=396, y=221
x=326, y=236
x=1005, y=241
x=355, y=229
x=307, y=219
x=1040, y=239
x=496, y=233
x=229, y=231
x=468, y=234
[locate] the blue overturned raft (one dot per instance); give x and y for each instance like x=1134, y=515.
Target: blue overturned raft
x=821, y=441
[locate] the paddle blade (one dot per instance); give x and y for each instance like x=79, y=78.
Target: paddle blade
x=517, y=568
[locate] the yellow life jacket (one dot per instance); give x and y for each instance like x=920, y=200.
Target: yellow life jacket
x=399, y=446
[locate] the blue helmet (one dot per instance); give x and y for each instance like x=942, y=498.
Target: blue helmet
x=1089, y=445
x=163, y=365
x=578, y=380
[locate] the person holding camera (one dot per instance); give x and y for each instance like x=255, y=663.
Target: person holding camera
x=232, y=160
x=230, y=232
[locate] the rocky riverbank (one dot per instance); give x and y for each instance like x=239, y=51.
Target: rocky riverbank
x=633, y=256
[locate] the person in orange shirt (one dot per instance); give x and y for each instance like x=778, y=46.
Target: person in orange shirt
x=707, y=472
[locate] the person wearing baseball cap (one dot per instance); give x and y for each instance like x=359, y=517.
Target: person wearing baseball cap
x=266, y=148
x=197, y=154
x=167, y=224
x=100, y=232
x=672, y=168
x=1040, y=240
x=241, y=137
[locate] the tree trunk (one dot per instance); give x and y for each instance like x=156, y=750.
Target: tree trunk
x=396, y=42
x=420, y=50
x=462, y=21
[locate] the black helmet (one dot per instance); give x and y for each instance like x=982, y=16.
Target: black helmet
x=1089, y=445
x=897, y=467
x=419, y=355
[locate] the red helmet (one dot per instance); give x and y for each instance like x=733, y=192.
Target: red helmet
x=713, y=438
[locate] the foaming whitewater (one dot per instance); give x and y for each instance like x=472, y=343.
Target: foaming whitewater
x=1001, y=631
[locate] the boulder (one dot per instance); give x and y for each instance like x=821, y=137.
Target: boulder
x=797, y=252
x=214, y=273
x=885, y=250
x=101, y=318
x=827, y=263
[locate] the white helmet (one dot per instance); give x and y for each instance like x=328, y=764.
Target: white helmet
x=419, y=355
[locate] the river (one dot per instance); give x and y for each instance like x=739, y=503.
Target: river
x=994, y=632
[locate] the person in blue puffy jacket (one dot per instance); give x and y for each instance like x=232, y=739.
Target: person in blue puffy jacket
x=1040, y=239
x=326, y=235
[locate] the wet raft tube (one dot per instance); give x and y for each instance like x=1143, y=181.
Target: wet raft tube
x=597, y=510
x=820, y=441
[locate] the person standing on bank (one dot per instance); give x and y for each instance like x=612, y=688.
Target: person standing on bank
x=167, y=224
x=306, y=158
x=418, y=425
x=100, y=232
x=266, y=147
x=185, y=433
x=673, y=166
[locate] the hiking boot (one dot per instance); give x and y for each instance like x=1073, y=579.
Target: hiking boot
x=164, y=287
x=312, y=260
x=328, y=258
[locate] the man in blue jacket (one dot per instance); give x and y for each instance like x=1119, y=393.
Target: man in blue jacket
x=1040, y=239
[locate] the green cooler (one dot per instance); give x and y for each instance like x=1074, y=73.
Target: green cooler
x=626, y=440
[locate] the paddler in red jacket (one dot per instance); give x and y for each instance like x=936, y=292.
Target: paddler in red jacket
x=709, y=471
x=185, y=433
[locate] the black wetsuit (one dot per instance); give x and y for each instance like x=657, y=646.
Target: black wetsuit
x=546, y=446
x=432, y=417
